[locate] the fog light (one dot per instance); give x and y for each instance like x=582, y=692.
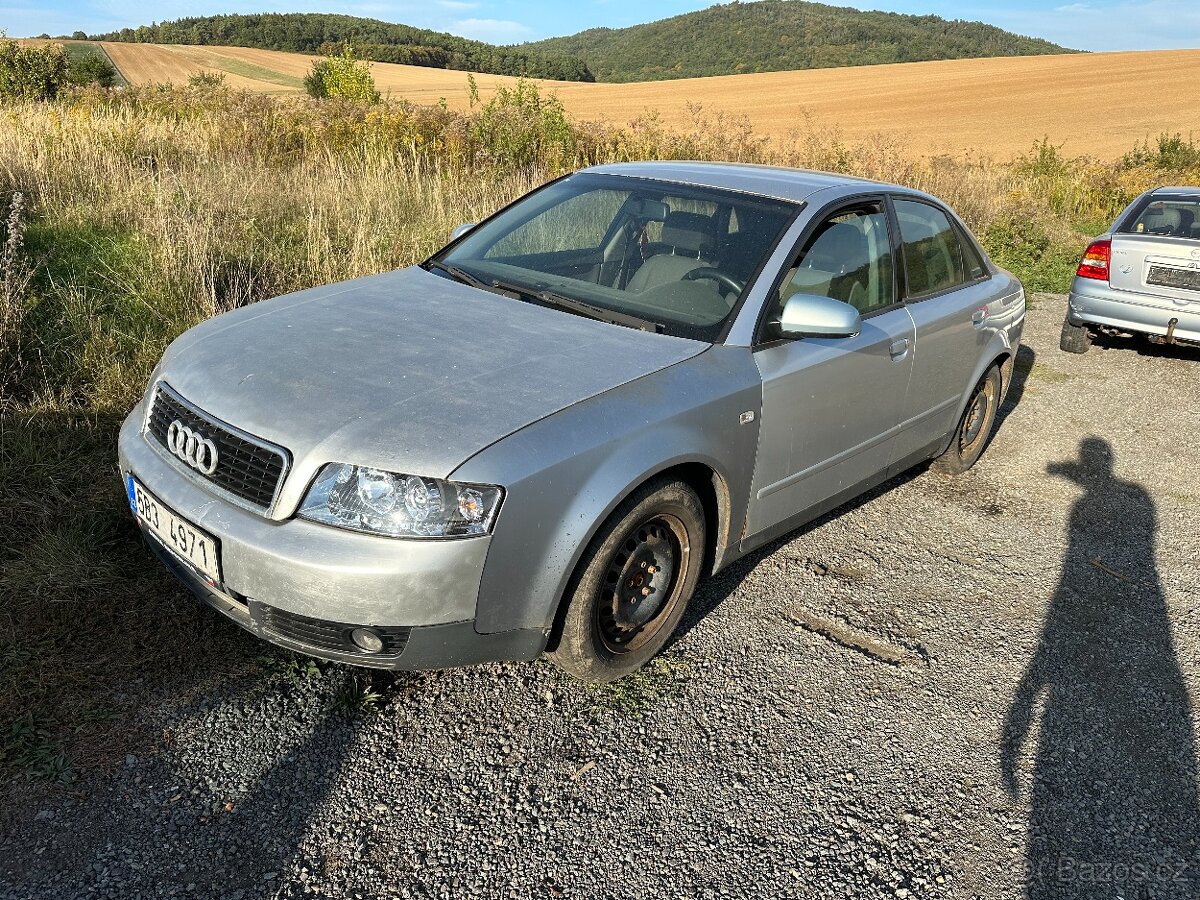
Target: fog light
x=366, y=639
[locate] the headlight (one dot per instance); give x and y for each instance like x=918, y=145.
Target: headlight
x=396, y=505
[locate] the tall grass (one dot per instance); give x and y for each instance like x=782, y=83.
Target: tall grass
x=146, y=210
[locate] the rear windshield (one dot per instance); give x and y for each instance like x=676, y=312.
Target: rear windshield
x=1166, y=216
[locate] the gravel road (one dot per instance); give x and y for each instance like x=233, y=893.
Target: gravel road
x=971, y=687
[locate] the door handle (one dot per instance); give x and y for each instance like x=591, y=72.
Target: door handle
x=979, y=315
x=899, y=349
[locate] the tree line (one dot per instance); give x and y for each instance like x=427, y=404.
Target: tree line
x=371, y=39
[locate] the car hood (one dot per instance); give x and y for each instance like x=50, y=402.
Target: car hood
x=407, y=370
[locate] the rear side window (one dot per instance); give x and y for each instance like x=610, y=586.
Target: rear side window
x=933, y=252
x=1169, y=217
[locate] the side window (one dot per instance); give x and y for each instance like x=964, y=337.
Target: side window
x=848, y=258
x=933, y=254
x=972, y=261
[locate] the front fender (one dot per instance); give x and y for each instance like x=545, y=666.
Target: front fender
x=565, y=475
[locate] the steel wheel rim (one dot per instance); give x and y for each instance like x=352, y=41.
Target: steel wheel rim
x=976, y=417
x=642, y=583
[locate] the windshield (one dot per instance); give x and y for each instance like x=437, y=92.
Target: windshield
x=1166, y=216
x=673, y=257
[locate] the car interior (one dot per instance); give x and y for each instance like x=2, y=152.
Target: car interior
x=1169, y=219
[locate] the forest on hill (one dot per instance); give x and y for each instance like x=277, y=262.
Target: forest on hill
x=780, y=35
x=371, y=38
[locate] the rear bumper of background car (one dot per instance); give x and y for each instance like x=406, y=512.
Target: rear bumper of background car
x=306, y=586
x=1093, y=302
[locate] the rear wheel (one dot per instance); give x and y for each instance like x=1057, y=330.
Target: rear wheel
x=1075, y=338
x=974, y=427
x=633, y=584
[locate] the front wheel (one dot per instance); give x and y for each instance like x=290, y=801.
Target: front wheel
x=633, y=583
x=974, y=427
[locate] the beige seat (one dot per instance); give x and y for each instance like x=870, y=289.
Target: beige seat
x=691, y=237
x=1162, y=220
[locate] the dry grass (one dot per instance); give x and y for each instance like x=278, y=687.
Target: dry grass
x=1091, y=104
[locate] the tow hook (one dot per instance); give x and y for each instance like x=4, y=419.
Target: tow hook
x=1169, y=337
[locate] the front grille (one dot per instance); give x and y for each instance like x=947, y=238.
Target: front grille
x=247, y=468
x=320, y=634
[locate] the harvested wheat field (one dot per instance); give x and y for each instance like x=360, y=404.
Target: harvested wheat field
x=1092, y=104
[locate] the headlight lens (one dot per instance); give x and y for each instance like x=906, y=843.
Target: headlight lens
x=397, y=505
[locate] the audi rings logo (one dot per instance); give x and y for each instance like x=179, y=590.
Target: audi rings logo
x=192, y=447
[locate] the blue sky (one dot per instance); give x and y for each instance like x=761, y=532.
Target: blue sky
x=1082, y=24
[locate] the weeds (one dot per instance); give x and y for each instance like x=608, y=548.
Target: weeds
x=291, y=667
x=31, y=747
x=15, y=276
x=662, y=678
x=356, y=695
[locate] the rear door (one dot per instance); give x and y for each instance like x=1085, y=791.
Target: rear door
x=831, y=406
x=1156, y=250
x=947, y=290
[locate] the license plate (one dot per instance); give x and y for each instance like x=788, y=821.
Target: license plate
x=1169, y=276
x=193, y=545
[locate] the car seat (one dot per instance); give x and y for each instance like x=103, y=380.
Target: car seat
x=691, y=238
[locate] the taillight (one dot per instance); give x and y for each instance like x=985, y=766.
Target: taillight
x=1095, y=260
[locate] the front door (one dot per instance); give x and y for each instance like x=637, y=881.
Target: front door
x=831, y=407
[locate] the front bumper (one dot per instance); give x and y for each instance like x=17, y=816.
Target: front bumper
x=304, y=586
x=1095, y=303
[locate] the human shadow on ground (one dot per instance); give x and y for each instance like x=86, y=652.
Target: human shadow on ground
x=1113, y=808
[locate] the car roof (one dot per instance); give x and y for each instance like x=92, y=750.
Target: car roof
x=1186, y=191
x=767, y=181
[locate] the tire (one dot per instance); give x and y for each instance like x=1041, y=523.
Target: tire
x=974, y=428
x=1075, y=338
x=633, y=584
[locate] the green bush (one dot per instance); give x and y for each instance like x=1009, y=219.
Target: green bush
x=1020, y=243
x=211, y=81
x=1170, y=151
x=520, y=127
x=343, y=77
x=31, y=73
x=91, y=68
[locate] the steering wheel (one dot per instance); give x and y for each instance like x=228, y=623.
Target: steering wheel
x=708, y=273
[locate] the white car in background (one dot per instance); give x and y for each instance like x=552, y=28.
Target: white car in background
x=1143, y=275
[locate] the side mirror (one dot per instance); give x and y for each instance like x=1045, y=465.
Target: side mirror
x=461, y=230
x=808, y=315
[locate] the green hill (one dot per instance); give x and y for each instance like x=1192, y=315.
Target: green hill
x=778, y=35
x=371, y=38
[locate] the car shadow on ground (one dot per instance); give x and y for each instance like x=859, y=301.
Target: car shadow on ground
x=714, y=590
x=1142, y=345
x=1022, y=366
x=1112, y=795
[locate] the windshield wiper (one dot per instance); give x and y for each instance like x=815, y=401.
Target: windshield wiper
x=599, y=313
x=459, y=274
x=548, y=298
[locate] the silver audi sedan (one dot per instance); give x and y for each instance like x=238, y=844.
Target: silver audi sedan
x=542, y=437
x=1143, y=275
